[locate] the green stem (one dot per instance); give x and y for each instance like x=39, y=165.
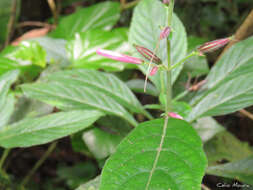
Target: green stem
x=168, y=81
x=183, y=60
x=38, y=164
x=3, y=158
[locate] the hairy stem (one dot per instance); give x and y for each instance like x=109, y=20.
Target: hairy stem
x=38, y=164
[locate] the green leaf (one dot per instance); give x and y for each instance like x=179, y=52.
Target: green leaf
x=156, y=157
x=7, y=65
x=55, y=49
x=30, y=132
x=103, y=140
x=148, y=16
x=229, y=83
x=99, y=16
x=137, y=85
x=91, y=185
x=225, y=146
x=67, y=95
x=6, y=81
x=82, y=49
x=7, y=110
x=241, y=170
x=207, y=128
x=105, y=83
x=29, y=52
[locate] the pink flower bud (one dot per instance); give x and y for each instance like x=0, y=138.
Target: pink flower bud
x=149, y=55
x=165, y=32
x=118, y=56
x=167, y=2
x=213, y=45
x=175, y=115
x=153, y=71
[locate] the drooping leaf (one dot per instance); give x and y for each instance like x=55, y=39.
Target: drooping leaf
x=229, y=84
x=82, y=49
x=34, y=131
x=137, y=85
x=156, y=157
x=225, y=146
x=104, y=83
x=67, y=95
x=148, y=16
x=99, y=16
x=241, y=170
x=91, y=185
x=103, y=140
x=207, y=128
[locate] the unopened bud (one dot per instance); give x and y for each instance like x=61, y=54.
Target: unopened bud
x=153, y=71
x=213, y=45
x=167, y=2
x=165, y=32
x=149, y=55
x=175, y=115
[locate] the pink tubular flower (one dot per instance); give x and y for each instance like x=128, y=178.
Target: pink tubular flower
x=213, y=45
x=149, y=55
x=165, y=32
x=175, y=115
x=153, y=71
x=118, y=56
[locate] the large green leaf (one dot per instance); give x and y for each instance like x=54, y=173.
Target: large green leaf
x=29, y=132
x=156, y=156
x=229, y=84
x=82, y=49
x=102, y=16
x=148, y=16
x=241, y=170
x=105, y=83
x=68, y=96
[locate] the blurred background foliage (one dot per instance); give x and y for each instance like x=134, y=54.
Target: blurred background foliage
x=67, y=167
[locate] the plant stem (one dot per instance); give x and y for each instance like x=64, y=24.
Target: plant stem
x=183, y=60
x=38, y=164
x=3, y=158
x=246, y=113
x=168, y=107
x=11, y=22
